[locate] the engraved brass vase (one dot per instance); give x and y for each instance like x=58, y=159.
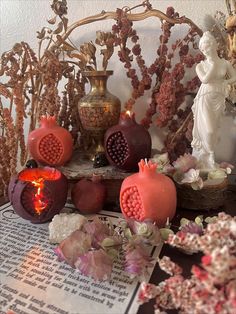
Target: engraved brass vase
x=98, y=110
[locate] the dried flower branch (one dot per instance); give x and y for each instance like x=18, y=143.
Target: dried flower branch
x=185, y=170
x=32, y=81
x=31, y=89
x=168, y=76
x=211, y=287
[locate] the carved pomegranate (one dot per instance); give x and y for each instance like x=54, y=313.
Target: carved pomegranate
x=38, y=194
x=127, y=143
x=148, y=195
x=50, y=144
x=89, y=196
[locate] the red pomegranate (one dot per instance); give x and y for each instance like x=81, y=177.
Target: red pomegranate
x=50, y=144
x=126, y=143
x=38, y=194
x=148, y=195
x=89, y=196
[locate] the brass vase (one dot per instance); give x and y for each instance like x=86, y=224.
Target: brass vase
x=98, y=110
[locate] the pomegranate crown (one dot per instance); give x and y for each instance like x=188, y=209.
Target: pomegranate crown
x=48, y=121
x=147, y=166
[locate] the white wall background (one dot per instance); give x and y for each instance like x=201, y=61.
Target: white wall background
x=20, y=19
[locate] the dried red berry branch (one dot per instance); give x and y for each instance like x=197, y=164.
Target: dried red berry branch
x=32, y=81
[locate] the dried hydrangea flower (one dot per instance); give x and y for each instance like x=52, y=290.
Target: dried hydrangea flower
x=137, y=260
x=163, y=163
x=96, y=264
x=73, y=246
x=192, y=177
x=145, y=229
x=185, y=163
x=98, y=231
x=192, y=227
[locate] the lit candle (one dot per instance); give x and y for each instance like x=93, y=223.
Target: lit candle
x=34, y=195
x=127, y=142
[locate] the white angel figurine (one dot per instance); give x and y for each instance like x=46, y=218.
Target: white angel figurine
x=215, y=73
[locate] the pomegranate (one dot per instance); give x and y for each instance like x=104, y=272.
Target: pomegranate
x=34, y=195
x=148, y=195
x=50, y=144
x=126, y=143
x=89, y=196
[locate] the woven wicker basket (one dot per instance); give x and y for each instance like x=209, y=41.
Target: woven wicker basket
x=212, y=196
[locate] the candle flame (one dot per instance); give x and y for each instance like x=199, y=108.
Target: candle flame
x=40, y=203
x=128, y=113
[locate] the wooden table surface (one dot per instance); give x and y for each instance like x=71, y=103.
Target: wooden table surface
x=184, y=260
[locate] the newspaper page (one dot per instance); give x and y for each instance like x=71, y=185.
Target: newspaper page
x=32, y=280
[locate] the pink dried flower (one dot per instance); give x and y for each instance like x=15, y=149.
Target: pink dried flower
x=192, y=227
x=185, y=163
x=137, y=261
x=226, y=165
x=199, y=273
x=146, y=229
x=170, y=11
x=212, y=286
x=188, y=242
x=206, y=260
x=59, y=253
x=96, y=264
x=193, y=177
x=73, y=246
x=147, y=291
x=98, y=231
x=169, y=267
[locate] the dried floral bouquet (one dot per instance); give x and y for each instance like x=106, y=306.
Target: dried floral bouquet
x=97, y=245
x=31, y=82
x=212, y=286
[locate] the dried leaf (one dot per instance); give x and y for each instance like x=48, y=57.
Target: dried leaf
x=1, y=71
x=199, y=219
x=24, y=64
x=4, y=91
x=184, y=221
x=59, y=28
x=88, y=49
x=217, y=174
x=65, y=45
x=107, y=53
x=165, y=232
x=77, y=56
x=100, y=38
x=65, y=22
x=17, y=48
x=41, y=34
x=52, y=20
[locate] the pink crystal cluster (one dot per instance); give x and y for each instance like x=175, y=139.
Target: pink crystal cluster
x=212, y=285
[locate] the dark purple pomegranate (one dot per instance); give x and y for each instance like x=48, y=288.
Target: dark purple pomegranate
x=127, y=143
x=89, y=196
x=38, y=194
